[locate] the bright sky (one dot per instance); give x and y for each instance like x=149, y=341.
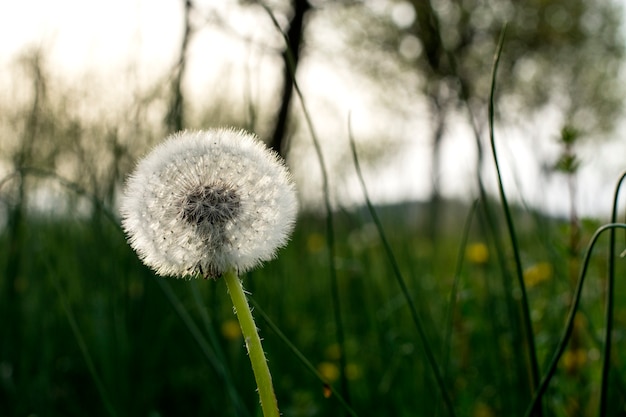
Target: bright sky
x=88, y=33
x=105, y=37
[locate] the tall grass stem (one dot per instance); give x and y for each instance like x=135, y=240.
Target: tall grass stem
x=330, y=228
x=608, y=315
x=202, y=343
x=569, y=322
x=240, y=409
x=430, y=356
x=104, y=396
x=528, y=327
x=449, y=317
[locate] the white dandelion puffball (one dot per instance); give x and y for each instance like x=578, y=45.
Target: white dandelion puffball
x=206, y=201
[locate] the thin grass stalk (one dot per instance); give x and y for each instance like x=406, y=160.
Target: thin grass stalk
x=449, y=316
x=489, y=216
x=490, y=220
x=206, y=321
x=487, y=210
x=486, y=205
x=80, y=340
x=569, y=322
x=240, y=409
x=428, y=350
x=82, y=345
x=490, y=223
x=330, y=239
x=528, y=327
x=300, y=356
x=197, y=336
x=609, y=306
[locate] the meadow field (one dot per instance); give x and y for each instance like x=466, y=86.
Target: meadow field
x=88, y=330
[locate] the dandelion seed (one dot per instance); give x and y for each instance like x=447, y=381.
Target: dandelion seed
x=206, y=201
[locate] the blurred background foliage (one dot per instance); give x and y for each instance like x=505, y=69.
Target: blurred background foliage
x=84, y=323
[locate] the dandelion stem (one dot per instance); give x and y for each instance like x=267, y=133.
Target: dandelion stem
x=253, y=344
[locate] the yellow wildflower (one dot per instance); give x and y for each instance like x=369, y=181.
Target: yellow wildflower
x=329, y=371
x=574, y=359
x=477, y=253
x=537, y=273
x=231, y=329
x=315, y=242
x=483, y=410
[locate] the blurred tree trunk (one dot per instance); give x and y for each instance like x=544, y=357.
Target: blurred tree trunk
x=11, y=336
x=434, y=203
x=428, y=32
x=291, y=58
x=174, y=119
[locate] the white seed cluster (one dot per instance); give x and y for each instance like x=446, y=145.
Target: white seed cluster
x=205, y=201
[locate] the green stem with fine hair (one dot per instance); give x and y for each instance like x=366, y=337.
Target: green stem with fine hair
x=253, y=344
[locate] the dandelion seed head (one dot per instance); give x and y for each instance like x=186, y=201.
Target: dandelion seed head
x=202, y=202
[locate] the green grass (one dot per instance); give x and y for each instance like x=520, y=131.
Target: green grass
x=81, y=296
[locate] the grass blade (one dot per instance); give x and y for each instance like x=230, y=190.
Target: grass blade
x=455, y=285
x=330, y=239
x=307, y=364
x=80, y=340
x=569, y=322
x=608, y=317
x=241, y=410
x=204, y=346
x=528, y=327
x=401, y=282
